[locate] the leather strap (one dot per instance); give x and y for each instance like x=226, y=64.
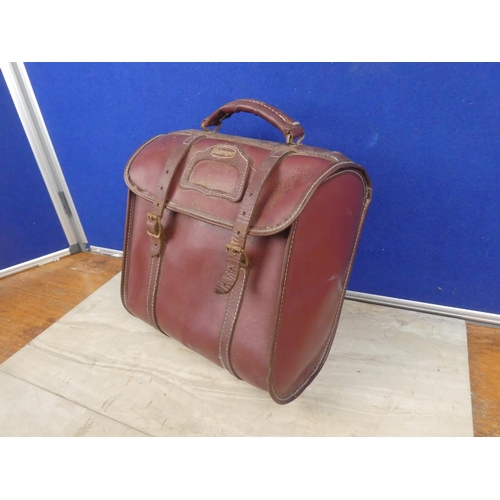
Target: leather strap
x=158, y=219
x=232, y=311
x=289, y=127
x=236, y=255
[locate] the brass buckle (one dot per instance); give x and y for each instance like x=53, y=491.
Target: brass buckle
x=245, y=261
x=156, y=233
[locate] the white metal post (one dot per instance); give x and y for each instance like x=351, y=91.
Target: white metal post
x=31, y=117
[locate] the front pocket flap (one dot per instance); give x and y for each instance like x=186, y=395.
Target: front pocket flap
x=210, y=188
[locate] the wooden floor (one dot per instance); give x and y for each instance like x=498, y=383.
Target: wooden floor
x=484, y=366
x=33, y=300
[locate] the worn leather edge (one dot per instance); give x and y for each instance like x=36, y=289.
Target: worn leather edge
x=285, y=399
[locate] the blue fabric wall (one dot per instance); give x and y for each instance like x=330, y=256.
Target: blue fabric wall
x=427, y=133
x=29, y=226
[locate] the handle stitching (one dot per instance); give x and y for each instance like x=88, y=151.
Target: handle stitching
x=265, y=106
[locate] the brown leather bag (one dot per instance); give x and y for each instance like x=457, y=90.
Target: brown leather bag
x=241, y=249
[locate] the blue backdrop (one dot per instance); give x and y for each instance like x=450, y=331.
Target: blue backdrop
x=29, y=226
x=427, y=134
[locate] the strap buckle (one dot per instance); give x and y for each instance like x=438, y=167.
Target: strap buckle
x=245, y=261
x=153, y=226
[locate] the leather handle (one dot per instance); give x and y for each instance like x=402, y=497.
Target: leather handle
x=290, y=128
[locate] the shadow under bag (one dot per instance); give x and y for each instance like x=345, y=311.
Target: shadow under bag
x=241, y=249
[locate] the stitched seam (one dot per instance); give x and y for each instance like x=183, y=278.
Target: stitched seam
x=324, y=177
x=127, y=247
x=222, y=332
x=278, y=324
x=126, y=174
x=151, y=297
x=211, y=192
x=306, y=198
x=243, y=283
x=131, y=209
x=133, y=157
x=150, y=307
x=262, y=230
x=335, y=321
x=188, y=168
x=201, y=216
x=236, y=140
x=265, y=106
x=329, y=156
x=329, y=339
x=248, y=205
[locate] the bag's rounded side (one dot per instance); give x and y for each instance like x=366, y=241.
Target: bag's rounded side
x=316, y=270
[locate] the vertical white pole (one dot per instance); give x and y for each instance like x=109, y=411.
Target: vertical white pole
x=31, y=117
